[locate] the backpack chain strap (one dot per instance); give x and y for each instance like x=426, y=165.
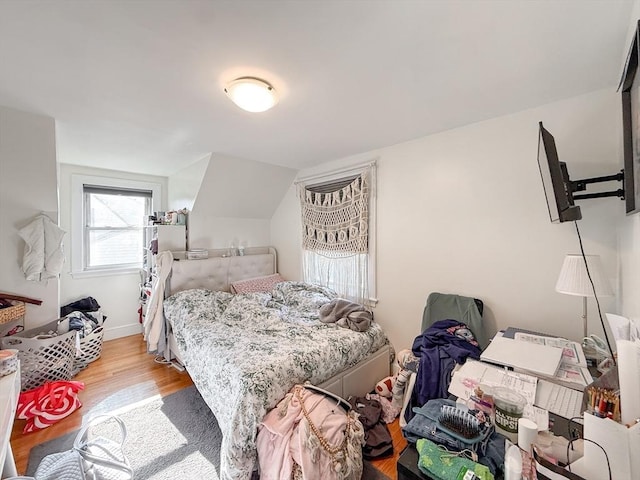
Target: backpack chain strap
x=331, y=450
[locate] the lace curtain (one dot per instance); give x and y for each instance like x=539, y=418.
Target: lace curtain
x=335, y=235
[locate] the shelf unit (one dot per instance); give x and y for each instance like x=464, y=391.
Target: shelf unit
x=157, y=238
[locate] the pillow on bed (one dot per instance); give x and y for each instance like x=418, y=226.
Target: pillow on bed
x=259, y=284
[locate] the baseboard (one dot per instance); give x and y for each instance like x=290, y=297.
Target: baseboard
x=121, y=331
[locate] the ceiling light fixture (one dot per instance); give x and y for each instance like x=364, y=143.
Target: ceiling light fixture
x=251, y=94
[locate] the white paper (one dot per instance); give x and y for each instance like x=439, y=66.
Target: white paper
x=474, y=373
x=628, y=368
x=620, y=326
x=618, y=441
x=574, y=374
x=541, y=417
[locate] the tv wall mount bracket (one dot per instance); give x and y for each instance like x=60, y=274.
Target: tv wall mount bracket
x=581, y=186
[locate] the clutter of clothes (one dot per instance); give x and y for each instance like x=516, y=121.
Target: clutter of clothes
x=433, y=357
x=311, y=434
x=83, y=316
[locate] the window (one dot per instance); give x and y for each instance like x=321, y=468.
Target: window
x=107, y=224
x=113, y=224
x=338, y=218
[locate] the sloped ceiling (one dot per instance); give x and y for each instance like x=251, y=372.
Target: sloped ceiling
x=138, y=85
x=241, y=188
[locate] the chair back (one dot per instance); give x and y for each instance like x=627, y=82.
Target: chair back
x=443, y=306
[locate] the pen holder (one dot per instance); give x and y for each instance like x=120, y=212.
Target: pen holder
x=602, y=398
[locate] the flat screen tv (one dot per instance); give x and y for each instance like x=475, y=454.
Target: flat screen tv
x=555, y=180
x=630, y=89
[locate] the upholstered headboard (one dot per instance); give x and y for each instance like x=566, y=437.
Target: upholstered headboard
x=218, y=272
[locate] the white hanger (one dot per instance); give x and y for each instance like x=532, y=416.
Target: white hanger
x=341, y=401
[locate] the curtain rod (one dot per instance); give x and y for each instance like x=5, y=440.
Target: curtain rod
x=338, y=171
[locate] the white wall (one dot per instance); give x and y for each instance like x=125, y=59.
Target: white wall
x=185, y=184
x=117, y=294
x=28, y=186
x=235, y=203
x=464, y=212
x=629, y=227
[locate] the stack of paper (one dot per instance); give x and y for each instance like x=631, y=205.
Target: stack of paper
x=473, y=373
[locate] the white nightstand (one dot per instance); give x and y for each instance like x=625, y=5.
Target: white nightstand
x=9, y=393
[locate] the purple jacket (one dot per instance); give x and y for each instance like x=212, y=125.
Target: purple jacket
x=440, y=347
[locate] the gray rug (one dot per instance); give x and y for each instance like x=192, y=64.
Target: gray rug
x=169, y=438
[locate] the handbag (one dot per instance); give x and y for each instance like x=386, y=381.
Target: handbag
x=43, y=406
x=96, y=458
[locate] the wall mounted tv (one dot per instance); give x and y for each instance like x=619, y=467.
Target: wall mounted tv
x=630, y=89
x=558, y=186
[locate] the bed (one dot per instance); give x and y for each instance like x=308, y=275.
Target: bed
x=244, y=352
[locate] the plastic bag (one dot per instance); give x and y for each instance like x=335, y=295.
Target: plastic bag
x=45, y=405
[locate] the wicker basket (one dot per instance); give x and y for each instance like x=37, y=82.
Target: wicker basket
x=12, y=313
x=43, y=358
x=91, y=346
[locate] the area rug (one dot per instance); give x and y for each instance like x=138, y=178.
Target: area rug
x=167, y=438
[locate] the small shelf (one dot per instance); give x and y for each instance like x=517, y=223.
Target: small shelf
x=167, y=237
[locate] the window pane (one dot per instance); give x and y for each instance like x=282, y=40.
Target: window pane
x=115, y=247
x=116, y=210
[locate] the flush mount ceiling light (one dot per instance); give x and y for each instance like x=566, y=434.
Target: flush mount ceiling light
x=251, y=94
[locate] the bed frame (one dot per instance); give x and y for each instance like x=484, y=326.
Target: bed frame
x=218, y=272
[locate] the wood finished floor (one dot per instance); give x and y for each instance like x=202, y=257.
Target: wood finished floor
x=126, y=374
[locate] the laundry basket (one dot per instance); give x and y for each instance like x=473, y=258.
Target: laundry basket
x=44, y=356
x=91, y=347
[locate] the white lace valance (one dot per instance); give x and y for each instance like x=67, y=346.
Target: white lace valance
x=335, y=217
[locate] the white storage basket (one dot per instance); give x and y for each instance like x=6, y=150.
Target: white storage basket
x=91, y=346
x=43, y=358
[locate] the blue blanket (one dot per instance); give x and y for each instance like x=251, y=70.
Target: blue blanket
x=439, y=348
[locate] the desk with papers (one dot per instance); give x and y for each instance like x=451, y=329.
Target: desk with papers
x=550, y=372
x=557, y=398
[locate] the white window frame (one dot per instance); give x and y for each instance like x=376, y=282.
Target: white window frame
x=78, y=253
x=336, y=175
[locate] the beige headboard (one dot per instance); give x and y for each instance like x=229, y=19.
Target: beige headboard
x=218, y=272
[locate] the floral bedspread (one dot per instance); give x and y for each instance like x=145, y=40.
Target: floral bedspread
x=244, y=353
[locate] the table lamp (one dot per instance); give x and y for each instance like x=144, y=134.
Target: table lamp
x=573, y=280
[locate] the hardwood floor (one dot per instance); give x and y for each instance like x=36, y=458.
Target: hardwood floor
x=126, y=374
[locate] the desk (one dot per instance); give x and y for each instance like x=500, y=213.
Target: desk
x=9, y=393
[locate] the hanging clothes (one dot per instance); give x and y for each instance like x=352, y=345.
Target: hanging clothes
x=155, y=331
x=43, y=254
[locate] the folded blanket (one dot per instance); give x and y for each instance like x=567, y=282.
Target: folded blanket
x=346, y=314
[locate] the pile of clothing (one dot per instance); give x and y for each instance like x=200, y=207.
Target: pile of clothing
x=82, y=316
x=311, y=434
x=377, y=438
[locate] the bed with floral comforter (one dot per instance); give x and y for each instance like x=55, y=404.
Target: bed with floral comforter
x=245, y=352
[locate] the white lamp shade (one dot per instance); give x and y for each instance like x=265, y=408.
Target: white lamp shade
x=252, y=94
x=573, y=279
